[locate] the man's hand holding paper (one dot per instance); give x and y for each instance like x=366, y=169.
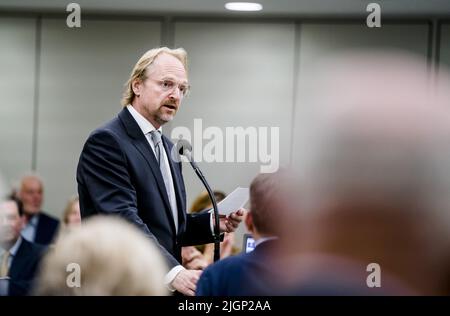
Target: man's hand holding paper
x=231, y=209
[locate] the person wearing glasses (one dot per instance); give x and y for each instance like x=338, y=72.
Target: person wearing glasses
x=126, y=169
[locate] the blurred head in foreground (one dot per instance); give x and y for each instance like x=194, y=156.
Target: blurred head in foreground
x=268, y=196
x=374, y=177
x=113, y=259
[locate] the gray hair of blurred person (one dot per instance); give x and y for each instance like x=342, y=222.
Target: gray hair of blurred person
x=375, y=133
x=30, y=176
x=114, y=259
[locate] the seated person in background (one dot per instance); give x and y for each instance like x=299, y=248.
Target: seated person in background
x=19, y=258
x=199, y=257
x=39, y=227
x=193, y=259
x=121, y=261
x=248, y=273
x=72, y=216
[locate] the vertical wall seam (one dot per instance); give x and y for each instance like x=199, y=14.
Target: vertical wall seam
x=296, y=74
x=168, y=39
x=37, y=68
x=437, y=45
x=433, y=54
x=167, y=32
x=430, y=45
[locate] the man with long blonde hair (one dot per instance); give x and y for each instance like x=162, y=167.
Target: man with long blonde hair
x=125, y=166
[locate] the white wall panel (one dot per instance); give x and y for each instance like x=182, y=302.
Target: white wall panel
x=82, y=76
x=241, y=76
x=318, y=41
x=444, y=54
x=17, y=80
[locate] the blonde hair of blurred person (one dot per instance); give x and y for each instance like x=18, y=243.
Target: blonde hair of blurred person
x=198, y=257
x=121, y=261
x=139, y=71
x=72, y=215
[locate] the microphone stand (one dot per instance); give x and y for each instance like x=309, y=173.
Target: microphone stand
x=215, y=209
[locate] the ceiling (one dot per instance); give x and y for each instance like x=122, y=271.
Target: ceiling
x=271, y=8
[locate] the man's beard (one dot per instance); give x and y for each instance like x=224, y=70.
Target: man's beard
x=163, y=118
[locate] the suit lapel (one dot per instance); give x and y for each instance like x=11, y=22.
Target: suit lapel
x=140, y=142
x=42, y=233
x=176, y=175
x=20, y=260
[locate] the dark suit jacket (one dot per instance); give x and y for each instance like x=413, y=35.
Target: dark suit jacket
x=46, y=229
x=24, y=267
x=119, y=174
x=246, y=274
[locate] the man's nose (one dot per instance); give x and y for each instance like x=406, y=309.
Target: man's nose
x=175, y=94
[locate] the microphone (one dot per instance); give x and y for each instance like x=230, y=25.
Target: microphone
x=184, y=148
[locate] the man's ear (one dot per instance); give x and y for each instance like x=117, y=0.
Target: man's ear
x=136, y=86
x=249, y=221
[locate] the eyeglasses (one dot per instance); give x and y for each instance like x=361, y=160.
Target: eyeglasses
x=169, y=85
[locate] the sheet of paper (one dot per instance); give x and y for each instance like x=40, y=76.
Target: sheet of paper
x=234, y=201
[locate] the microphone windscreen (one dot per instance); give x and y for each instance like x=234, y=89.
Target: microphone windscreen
x=183, y=146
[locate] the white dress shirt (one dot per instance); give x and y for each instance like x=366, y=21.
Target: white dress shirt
x=263, y=239
x=146, y=128
x=29, y=231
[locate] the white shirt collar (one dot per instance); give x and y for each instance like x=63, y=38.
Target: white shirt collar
x=145, y=126
x=16, y=246
x=263, y=239
x=34, y=220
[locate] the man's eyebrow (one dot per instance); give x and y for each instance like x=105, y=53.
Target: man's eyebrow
x=168, y=77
